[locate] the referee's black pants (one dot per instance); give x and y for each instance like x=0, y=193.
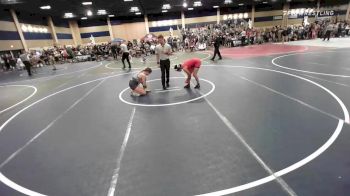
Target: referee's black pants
x=216, y=52
x=165, y=68
x=28, y=67
x=126, y=56
x=327, y=35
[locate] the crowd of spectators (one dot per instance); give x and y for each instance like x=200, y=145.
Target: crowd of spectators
x=240, y=35
x=230, y=34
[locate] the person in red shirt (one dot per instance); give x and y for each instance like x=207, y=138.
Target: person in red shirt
x=190, y=67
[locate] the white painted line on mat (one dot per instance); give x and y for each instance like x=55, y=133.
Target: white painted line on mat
x=304, y=71
x=169, y=90
x=114, y=181
x=283, y=184
x=171, y=59
x=300, y=163
x=207, y=52
x=53, y=76
x=282, y=172
x=305, y=48
x=232, y=190
x=118, y=68
x=321, y=79
x=340, y=102
x=9, y=182
x=159, y=90
x=13, y=155
x=31, y=95
x=15, y=186
x=167, y=104
x=229, y=125
x=291, y=98
x=61, y=85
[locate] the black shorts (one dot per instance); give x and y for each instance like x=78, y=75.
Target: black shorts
x=133, y=84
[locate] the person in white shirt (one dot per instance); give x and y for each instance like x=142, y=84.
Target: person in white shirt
x=125, y=52
x=26, y=61
x=163, y=51
x=329, y=30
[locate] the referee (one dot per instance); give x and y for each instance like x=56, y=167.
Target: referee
x=26, y=61
x=217, y=43
x=125, y=55
x=163, y=50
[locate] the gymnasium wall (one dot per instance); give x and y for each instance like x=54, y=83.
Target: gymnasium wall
x=268, y=18
x=195, y=19
x=128, y=29
x=63, y=32
x=98, y=28
x=160, y=24
x=35, y=39
x=9, y=37
x=73, y=25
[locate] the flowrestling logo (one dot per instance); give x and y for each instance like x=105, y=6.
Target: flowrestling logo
x=309, y=12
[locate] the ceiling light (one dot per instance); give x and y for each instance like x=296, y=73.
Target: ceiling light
x=241, y=4
x=89, y=13
x=164, y=11
x=101, y=12
x=30, y=28
x=127, y=0
x=215, y=6
x=24, y=28
x=134, y=9
x=184, y=4
x=197, y=4
x=87, y=3
x=84, y=18
x=111, y=15
x=245, y=15
x=190, y=8
x=138, y=13
x=166, y=7
x=265, y=2
x=45, y=7
x=228, y=1
x=68, y=15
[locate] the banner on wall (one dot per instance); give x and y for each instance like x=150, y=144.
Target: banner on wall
x=294, y=13
x=277, y=17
